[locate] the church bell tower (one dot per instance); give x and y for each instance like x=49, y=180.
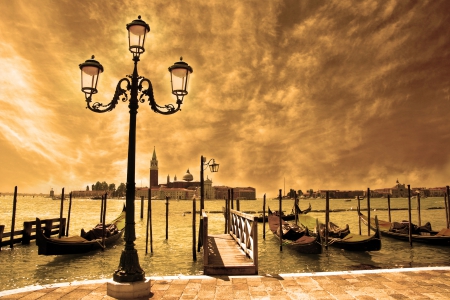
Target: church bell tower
x=154, y=170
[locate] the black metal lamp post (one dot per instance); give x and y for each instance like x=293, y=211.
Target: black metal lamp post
x=135, y=89
x=213, y=167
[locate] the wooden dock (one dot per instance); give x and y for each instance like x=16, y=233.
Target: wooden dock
x=233, y=253
x=51, y=227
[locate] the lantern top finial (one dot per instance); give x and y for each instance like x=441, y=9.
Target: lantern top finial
x=92, y=63
x=139, y=22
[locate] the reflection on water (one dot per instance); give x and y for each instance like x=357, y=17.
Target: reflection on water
x=22, y=266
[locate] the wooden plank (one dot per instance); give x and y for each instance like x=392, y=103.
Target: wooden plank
x=225, y=257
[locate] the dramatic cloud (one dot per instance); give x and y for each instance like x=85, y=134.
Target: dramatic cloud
x=326, y=94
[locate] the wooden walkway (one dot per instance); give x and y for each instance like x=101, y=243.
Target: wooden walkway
x=234, y=253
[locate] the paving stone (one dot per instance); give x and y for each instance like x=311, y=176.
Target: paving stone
x=399, y=284
x=187, y=297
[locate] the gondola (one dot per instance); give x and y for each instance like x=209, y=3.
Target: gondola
x=85, y=242
x=400, y=231
x=342, y=238
x=288, y=217
x=295, y=237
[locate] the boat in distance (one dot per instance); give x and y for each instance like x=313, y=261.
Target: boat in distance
x=342, y=238
x=422, y=234
x=85, y=242
x=288, y=217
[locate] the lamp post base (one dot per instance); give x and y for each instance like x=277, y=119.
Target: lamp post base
x=128, y=290
x=129, y=269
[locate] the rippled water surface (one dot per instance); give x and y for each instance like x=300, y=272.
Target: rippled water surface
x=21, y=266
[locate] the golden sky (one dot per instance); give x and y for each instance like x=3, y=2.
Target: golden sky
x=326, y=94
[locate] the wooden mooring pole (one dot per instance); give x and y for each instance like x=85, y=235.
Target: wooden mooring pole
x=418, y=210
x=13, y=222
x=280, y=220
x=101, y=211
x=68, y=214
x=409, y=216
x=149, y=223
x=359, y=219
x=264, y=216
x=295, y=207
x=447, y=202
x=327, y=216
x=448, y=206
x=230, y=206
x=61, y=229
x=446, y=209
x=103, y=222
x=167, y=217
x=142, y=207
x=368, y=211
x=194, y=253
x=389, y=207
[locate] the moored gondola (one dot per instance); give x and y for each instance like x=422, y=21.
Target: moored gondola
x=85, y=242
x=400, y=231
x=342, y=238
x=295, y=237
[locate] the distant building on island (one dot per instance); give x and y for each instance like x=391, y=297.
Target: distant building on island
x=187, y=188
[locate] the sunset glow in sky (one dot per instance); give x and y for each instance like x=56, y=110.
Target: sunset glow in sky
x=326, y=94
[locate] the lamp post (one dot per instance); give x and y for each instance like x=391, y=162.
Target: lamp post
x=213, y=167
x=134, y=89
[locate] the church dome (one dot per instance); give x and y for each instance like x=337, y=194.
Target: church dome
x=188, y=176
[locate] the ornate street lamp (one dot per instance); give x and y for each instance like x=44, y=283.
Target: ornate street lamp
x=134, y=89
x=213, y=167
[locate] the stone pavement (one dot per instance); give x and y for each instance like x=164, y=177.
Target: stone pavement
x=414, y=283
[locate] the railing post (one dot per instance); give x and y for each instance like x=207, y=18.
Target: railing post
x=62, y=226
x=48, y=227
x=231, y=222
x=2, y=228
x=255, y=242
x=205, y=237
x=229, y=211
x=26, y=235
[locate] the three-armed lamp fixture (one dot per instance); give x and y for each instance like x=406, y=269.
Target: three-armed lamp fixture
x=134, y=89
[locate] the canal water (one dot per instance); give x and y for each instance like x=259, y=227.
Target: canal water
x=22, y=266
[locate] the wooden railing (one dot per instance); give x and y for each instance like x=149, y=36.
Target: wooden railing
x=244, y=230
x=28, y=233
